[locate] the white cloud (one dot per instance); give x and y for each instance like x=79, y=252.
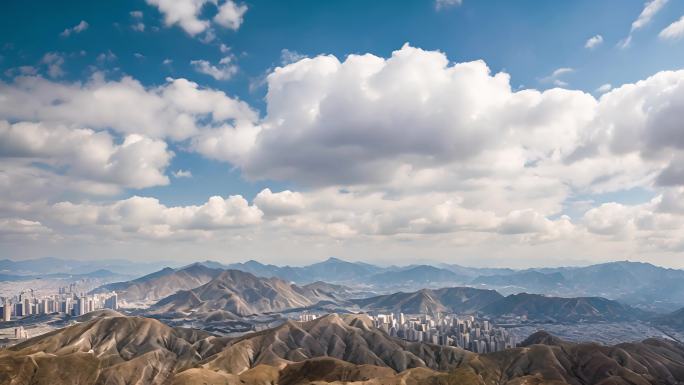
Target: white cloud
x=186, y=14
x=182, y=174
x=441, y=4
x=224, y=70
x=673, y=31
x=84, y=154
x=288, y=57
x=555, y=76
x=651, y=8
x=230, y=15
x=593, y=42
x=147, y=217
x=54, y=62
x=604, y=88
x=410, y=150
x=78, y=28
x=178, y=109
x=281, y=203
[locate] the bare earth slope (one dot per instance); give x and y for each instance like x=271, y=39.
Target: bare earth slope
x=329, y=350
x=162, y=283
x=241, y=293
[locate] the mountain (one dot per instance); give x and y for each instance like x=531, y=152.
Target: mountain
x=421, y=275
x=639, y=284
x=43, y=266
x=446, y=300
x=331, y=270
x=328, y=350
x=473, y=272
x=97, y=274
x=541, y=308
x=526, y=280
x=240, y=293
x=162, y=283
x=674, y=320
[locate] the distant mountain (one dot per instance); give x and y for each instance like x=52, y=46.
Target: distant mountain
x=43, y=266
x=330, y=350
x=417, y=276
x=674, y=320
x=241, y=293
x=525, y=280
x=462, y=300
x=541, y=308
x=98, y=274
x=473, y=272
x=331, y=270
x=638, y=284
x=161, y=283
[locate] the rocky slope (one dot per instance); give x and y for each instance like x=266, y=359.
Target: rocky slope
x=541, y=308
x=329, y=350
x=445, y=300
x=162, y=283
x=241, y=293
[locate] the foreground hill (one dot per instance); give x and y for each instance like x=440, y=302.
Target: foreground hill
x=541, y=308
x=162, y=283
x=445, y=300
x=242, y=293
x=331, y=349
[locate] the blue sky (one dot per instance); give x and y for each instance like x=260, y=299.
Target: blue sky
x=540, y=44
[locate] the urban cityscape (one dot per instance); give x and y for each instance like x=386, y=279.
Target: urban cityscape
x=463, y=331
x=66, y=301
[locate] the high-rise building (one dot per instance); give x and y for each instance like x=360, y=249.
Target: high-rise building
x=7, y=313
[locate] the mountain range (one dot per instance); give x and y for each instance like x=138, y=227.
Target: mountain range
x=162, y=283
x=111, y=349
x=46, y=266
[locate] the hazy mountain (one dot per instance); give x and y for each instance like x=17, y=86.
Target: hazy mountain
x=161, y=283
x=241, y=293
x=525, y=280
x=473, y=272
x=98, y=274
x=331, y=270
x=674, y=320
x=417, y=276
x=43, y=266
x=541, y=308
x=445, y=300
x=331, y=349
x=639, y=284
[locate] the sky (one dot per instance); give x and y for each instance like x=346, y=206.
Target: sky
x=485, y=133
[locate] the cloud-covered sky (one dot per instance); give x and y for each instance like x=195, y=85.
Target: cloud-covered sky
x=503, y=133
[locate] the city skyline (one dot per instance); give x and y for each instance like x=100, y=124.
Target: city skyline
x=518, y=134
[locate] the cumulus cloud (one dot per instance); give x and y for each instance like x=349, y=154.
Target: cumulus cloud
x=230, y=15
x=410, y=147
x=593, y=42
x=282, y=203
x=178, y=109
x=673, y=31
x=148, y=217
x=78, y=28
x=187, y=14
x=136, y=162
x=224, y=70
